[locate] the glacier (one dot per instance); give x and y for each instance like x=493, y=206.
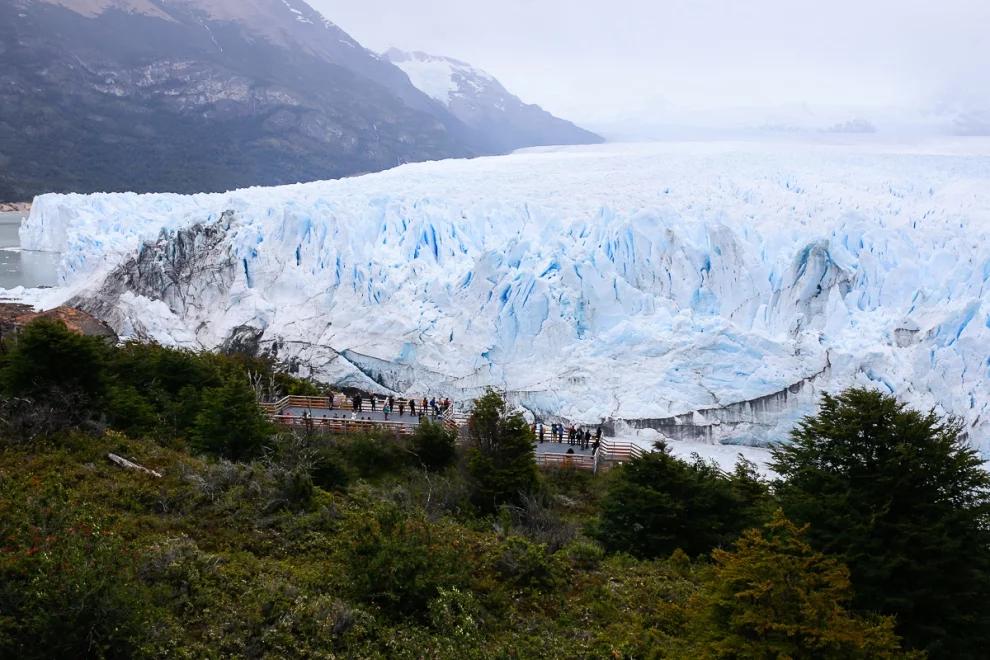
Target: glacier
x=707, y=291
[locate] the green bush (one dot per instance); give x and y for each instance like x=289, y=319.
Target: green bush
x=67, y=586
x=774, y=596
x=130, y=412
x=374, y=455
x=523, y=564
x=501, y=463
x=434, y=445
x=230, y=423
x=657, y=503
x=399, y=561
x=48, y=362
x=902, y=499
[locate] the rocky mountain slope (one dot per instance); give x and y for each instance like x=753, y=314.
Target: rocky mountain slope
x=481, y=102
x=201, y=95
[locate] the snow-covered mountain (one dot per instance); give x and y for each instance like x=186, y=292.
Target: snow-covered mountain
x=706, y=290
x=481, y=102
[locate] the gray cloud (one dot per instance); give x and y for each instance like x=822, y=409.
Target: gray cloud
x=642, y=62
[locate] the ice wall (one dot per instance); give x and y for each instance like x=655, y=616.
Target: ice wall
x=636, y=282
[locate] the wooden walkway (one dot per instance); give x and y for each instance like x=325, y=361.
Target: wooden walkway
x=335, y=416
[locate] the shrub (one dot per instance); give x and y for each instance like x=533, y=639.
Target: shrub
x=48, y=362
x=230, y=423
x=905, y=503
x=585, y=555
x=399, y=562
x=373, y=455
x=775, y=597
x=527, y=565
x=501, y=463
x=68, y=589
x=434, y=445
x=656, y=503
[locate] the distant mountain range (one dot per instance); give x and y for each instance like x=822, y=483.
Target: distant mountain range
x=207, y=95
x=479, y=100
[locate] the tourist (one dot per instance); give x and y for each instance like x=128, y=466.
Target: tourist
x=412, y=407
x=386, y=409
x=571, y=434
x=391, y=402
x=374, y=403
x=539, y=431
x=402, y=407
x=433, y=406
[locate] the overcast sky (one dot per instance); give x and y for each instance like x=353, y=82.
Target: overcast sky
x=605, y=62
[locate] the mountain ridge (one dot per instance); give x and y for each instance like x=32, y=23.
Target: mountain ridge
x=479, y=100
x=204, y=96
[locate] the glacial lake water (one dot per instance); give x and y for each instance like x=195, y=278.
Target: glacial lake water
x=22, y=267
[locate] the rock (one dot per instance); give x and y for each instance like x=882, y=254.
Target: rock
x=14, y=316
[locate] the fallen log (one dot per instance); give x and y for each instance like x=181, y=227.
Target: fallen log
x=124, y=463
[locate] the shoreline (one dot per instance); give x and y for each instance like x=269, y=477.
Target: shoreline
x=15, y=207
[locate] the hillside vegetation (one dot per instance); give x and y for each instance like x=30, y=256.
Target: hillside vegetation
x=259, y=543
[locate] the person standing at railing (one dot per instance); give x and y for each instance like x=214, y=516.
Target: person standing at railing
x=539, y=431
x=386, y=409
x=391, y=402
x=424, y=403
x=412, y=407
x=402, y=407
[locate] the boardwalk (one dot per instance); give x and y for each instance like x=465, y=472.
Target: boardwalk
x=337, y=416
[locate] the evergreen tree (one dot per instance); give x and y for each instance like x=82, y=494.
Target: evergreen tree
x=50, y=362
x=501, y=463
x=657, y=503
x=900, y=498
x=775, y=597
x=434, y=444
x=230, y=423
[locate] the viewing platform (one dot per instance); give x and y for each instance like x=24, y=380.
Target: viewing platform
x=337, y=415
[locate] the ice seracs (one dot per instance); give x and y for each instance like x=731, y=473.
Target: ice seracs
x=707, y=291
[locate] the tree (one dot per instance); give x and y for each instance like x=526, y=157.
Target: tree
x=230, y=422
x=775, y=597
x=899, y=497
x=501, y=463
x=50, y=362
x=657, y=503
x=434, y=444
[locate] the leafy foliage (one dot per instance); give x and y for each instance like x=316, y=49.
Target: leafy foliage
x=230, y=423
x=774, y=596
x=500, y=460
x=657, y=503
x=434, y=444
x=48, y=361
x=899, y=497
x=313, y=545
